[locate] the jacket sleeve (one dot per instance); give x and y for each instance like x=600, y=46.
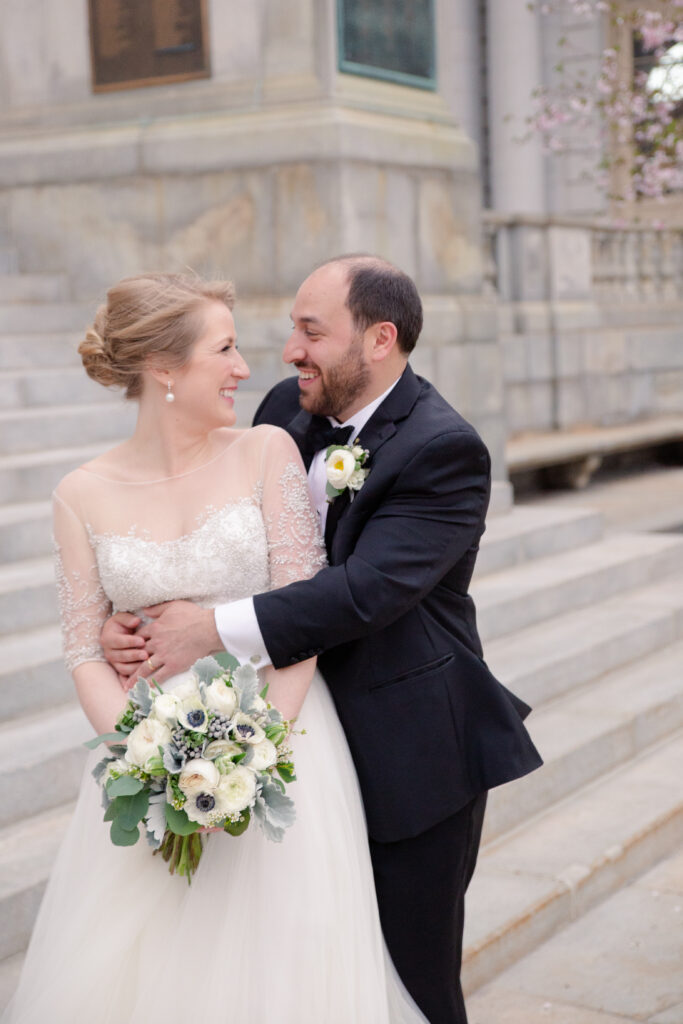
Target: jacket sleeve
x=429, y=517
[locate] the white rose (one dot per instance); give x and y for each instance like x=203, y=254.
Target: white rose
x=188, y=688
x=192, y=714
x=144, y=741
x=236, y=791
x=246, y=729
x=263, y=755
x=221, y=697
x=165, y=709
x=340, y=466
x=198, y=776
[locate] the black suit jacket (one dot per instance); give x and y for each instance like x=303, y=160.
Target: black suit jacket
x=428, y=725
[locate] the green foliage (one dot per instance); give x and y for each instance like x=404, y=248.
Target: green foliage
x=178, y=822
x=121, y=836
x=236, y=828
x=125, y=785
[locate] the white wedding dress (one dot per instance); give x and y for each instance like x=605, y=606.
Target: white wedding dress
x=267, y=933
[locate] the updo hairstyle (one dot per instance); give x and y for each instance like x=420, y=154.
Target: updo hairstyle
x=146, y=316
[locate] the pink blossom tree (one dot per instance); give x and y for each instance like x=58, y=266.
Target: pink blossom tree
x=636, y=97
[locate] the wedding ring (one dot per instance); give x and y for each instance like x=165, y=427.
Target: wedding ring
x=150, y=663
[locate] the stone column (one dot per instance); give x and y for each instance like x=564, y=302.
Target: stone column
x=514, y=70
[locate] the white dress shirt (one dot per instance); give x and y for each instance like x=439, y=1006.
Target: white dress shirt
x=236, y=622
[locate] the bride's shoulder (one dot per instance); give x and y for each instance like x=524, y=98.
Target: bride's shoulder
x=266, y=437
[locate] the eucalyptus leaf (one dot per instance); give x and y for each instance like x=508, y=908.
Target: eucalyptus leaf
x=226, y=661
x=106, y=737
x=121, y=836
x=179, y=822
x=100, y=768
x=132, y=809
x=125, y=785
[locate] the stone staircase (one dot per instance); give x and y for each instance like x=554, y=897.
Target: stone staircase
x=588, y=628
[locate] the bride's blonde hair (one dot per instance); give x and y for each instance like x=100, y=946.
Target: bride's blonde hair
x=146, y=316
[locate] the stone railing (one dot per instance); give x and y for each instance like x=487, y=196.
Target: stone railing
x=528, y=257
x=590, y=324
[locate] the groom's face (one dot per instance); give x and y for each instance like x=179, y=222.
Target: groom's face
x=326, y=348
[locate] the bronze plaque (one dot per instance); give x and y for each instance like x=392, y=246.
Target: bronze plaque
x=147, y=42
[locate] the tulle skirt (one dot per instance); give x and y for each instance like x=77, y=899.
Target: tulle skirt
x=268, y=933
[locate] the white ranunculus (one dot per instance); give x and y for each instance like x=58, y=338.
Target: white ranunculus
x=165, y=709
x=357, y=479
x=188, y=688
x=221, y=698
x=192, y=714
x=198, y=776
x=247, y=729
x=144, y=741
x=340, y=466
x=263, y=755
x=236, y=791
x=221, y=748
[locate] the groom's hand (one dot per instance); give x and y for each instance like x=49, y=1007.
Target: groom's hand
x=179, y=632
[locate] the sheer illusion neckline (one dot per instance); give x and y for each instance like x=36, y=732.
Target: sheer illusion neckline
x=173, y=476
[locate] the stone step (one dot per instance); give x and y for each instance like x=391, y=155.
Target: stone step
x=32, y=673
x=16, y=288
x=33, y=476
x=516, y=598
x=41, y=760
x=20, y=389
x=549, y=659
x=30, y=430
x=618, y=964
x=33, y=318
x=590, y=731
x=51, y=348
x=25, y=530
x=8, y=260
x=27, y=851
x=533, y=882
x=28, y=597
x=528, y=532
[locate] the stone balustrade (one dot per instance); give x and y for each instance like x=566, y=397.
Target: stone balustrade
x=590, y=321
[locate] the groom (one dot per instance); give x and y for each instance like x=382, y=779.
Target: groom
x=430, y=729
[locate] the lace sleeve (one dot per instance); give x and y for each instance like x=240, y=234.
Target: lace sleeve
x=295, y=547
x=83, y=604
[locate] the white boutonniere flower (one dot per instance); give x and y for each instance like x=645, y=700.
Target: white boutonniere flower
x=344, y=467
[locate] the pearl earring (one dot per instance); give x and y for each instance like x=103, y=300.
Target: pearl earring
x=170, y=397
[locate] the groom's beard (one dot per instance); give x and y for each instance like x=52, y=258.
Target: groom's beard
x=339, y=385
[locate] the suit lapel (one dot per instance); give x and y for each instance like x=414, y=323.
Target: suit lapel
x=380, y=427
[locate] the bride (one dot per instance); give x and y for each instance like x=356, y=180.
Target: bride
x=191, y=508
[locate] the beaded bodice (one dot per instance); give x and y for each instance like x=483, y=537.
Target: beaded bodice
x=233, y=546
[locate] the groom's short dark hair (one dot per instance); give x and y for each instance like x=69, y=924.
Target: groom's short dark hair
x=379, y=291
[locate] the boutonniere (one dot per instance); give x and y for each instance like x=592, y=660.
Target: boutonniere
x=344, y=469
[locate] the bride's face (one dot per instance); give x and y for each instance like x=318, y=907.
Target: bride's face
x=205, y=386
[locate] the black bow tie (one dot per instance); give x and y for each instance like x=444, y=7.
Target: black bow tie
x=321, y=434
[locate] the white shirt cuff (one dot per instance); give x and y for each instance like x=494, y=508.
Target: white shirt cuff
x=239, y=631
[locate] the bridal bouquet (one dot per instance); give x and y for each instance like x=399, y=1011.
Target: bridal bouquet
x=210, y=754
